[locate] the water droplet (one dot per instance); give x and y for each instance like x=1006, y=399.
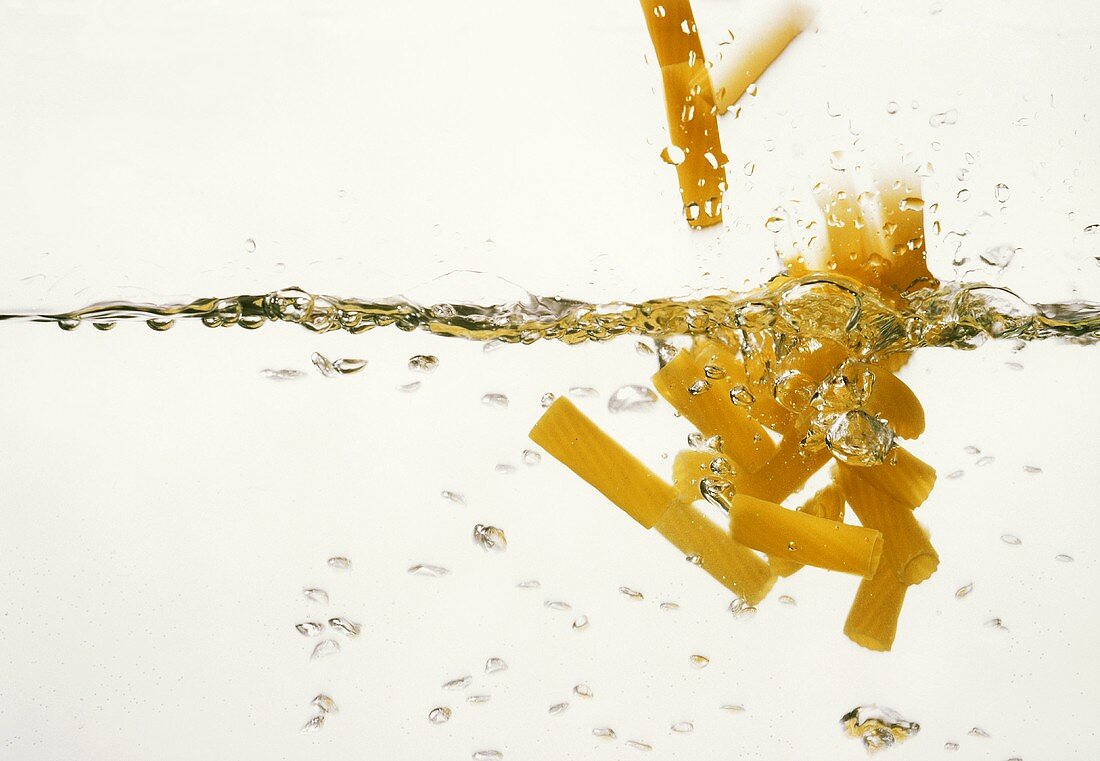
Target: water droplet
x=529, y=584
x=950, y=746
x=1032, y=469
x=1011, y=539
x=479, y=698
x=582, y=690
x=946, y=118
x=340, y=563
x=605, y=732
x=787, y=600
x=557, y=605
x=631, y=593
x=639, y=745
x=956, y=474
x=998, y=256
x=490, y=538
x=1064, y=558
x=673, y=155
x=670, y=606
x=683, y=727
x=345, y=626
x=497, y=401
x=281, y=375
x=487, y=755
x=423, y=363
x=983, y=461
x=580, y=623
x=316, y=595
x=460, y=683
x=325, y=648
x=1001, y=192
x=531, y=458
x=315, y=724
x=979, y=732
x=439, y=715
x=493, y=665
x=699, y=661
x=546, y=400
x=699, y=387
x=250, y=245
x=453, y=496
x=310, y=628
x=892, y=107
x=558, y=709
x=631, y=399
x=322, y=363
x=348, y=366
x=859, y=439
x=583, y=392
x=324, y=704
x=421, y=569
x=963, y=591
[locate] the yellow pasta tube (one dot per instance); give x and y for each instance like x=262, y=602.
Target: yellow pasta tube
x=689, y=468
x=759, y=38
x=906, y=478
x=579, y=444
x=758, y=402
x=827, y=503
x=683, y=382
x=689, y=105
x=894, y=401
x=735, y=566
x=906, y=548
x=873, y=618
x=775, y=530
x=785, y=473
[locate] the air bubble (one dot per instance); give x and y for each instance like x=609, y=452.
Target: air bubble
x=423, y=363
x=421, y=569
x=490, y=538
x=316, y=595
x=345, y=626
x=963, y=591
x=699, y=661
x=493, y=665
x=631, y=399
x=631, y=593
x=460, y=683
x=558, y=709
x=340, y=563
x=440, y=715
x=497, y=401
x=325, y=649
x=310, y=628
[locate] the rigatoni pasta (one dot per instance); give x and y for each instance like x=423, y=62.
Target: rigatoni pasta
x=873, y=618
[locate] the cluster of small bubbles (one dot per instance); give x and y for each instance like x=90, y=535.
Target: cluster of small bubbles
x=439, y=715
x=340, y=563
x=857, y=438
x=345, y=626
x=631, y=398
x=963, y=591
x=325, y=648
x=490, y=538
x=423, y=569
x=558, y=709
x=310, y=628
x=631, y=593
x=493, y=665
x=459, y=683
x=699, y=661
x=423, y=363
x=316, y=595
x=1011, y=539
x=557, y=605
x=281, y=375
x=498, y=401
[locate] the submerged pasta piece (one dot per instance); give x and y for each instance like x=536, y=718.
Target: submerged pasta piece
x=691, y=466
x=873, y=618
x=689, y=105
x=806, y=539
x=736, y=387
x=827, y=503
x=735, y=566
x=906, y=478
x=785, y=473
x=906, y=547
x=759, y=38
x=579, y=444
x=892, y=399
x=684, y=383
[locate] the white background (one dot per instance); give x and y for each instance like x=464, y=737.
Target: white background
x=161, y=505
